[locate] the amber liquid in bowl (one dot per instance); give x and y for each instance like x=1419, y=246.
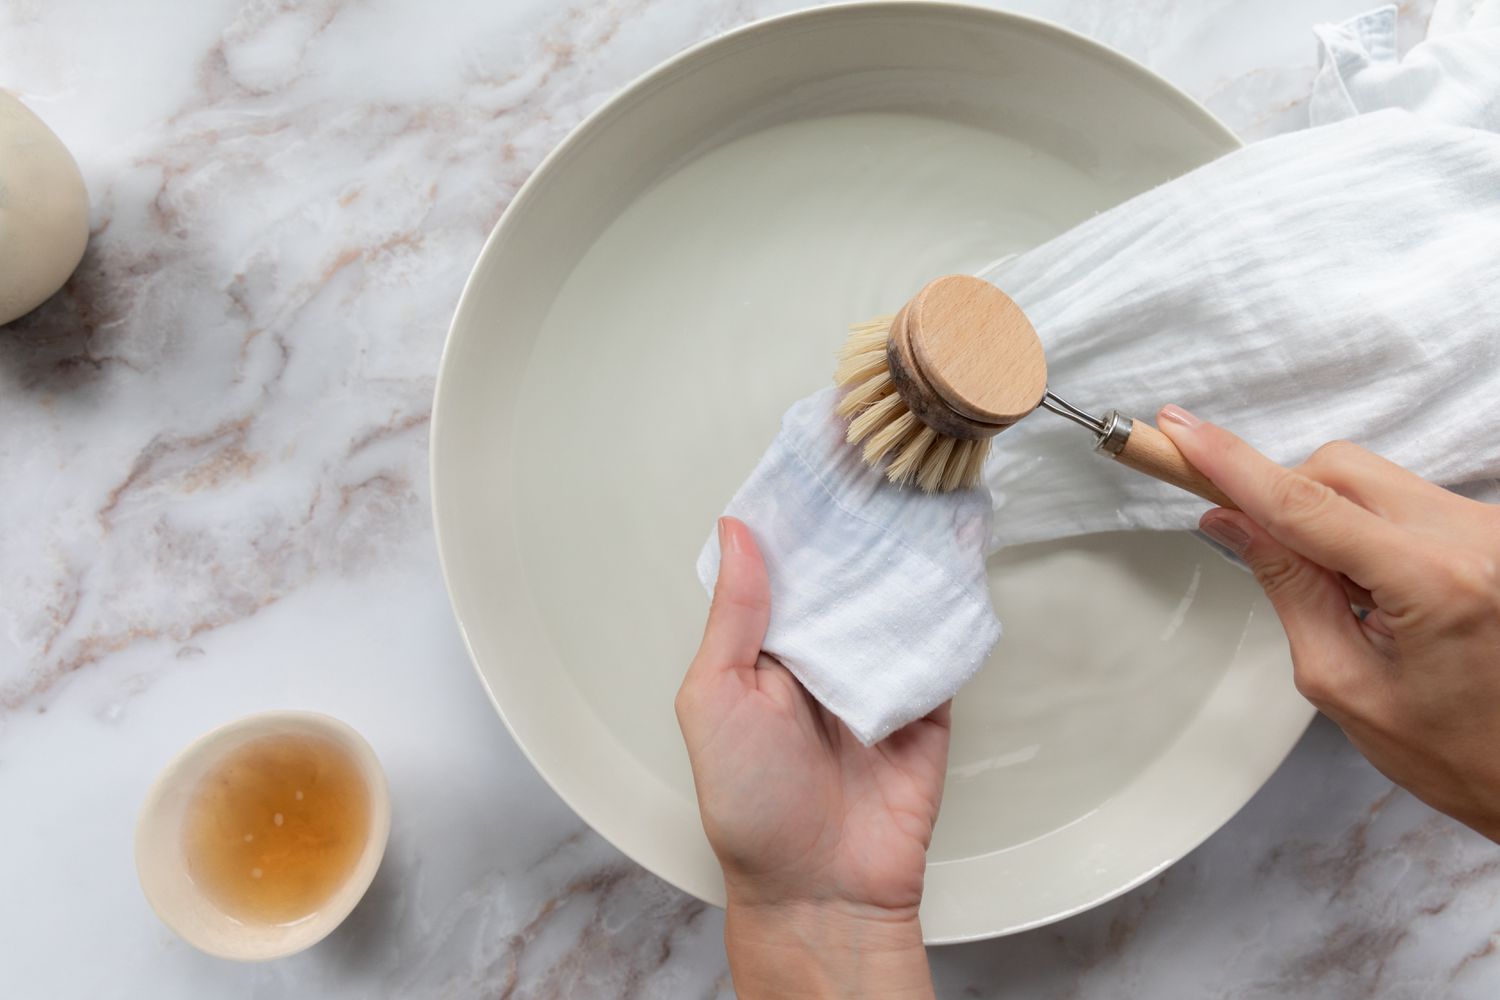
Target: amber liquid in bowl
x=276, y=827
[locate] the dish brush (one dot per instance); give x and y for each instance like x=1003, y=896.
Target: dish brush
x=928, y=388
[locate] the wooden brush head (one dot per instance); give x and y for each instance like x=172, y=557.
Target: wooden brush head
x=930, y=386
x=965, y=359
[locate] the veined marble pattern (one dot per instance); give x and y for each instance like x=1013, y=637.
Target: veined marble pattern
x=213, y=452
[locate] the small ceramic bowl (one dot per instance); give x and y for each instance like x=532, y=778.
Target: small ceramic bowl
x=162, y=865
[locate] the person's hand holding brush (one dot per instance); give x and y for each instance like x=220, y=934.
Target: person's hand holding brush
x=1413, y=675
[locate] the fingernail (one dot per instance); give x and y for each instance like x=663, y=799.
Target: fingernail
x=1178, y=415
x=1226, y=533
x=729, y=539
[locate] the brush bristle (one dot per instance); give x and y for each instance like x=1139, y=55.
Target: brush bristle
x=934, y=463
x=863, y=353
x=879, y=419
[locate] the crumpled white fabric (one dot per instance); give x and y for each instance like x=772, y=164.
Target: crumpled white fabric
x=1450, y=77
x=871, y=585
x=1335, y=283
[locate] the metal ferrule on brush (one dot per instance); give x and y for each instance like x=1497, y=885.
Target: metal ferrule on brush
x=1110, y=432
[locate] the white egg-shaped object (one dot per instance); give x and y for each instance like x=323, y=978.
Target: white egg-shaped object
x=44, y=211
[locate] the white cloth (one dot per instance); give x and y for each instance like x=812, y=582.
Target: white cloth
x=1334, y=283
x=871, y=585
x=1450, y=78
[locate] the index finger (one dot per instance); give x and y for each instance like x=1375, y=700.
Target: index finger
x=1306, y=516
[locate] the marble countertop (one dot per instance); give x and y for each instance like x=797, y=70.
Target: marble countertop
x=213, y=454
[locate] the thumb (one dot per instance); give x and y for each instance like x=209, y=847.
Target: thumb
x=741, y=608
x=1329, y=649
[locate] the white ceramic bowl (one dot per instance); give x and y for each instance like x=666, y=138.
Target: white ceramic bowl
x=677, y=273
x=163, y=870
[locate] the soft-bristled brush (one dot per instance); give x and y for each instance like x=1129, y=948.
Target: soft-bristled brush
x=928, y=388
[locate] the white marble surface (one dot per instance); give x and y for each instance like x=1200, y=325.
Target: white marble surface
x=213, y=458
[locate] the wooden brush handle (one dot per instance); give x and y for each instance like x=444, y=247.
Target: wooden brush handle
x=1150, y=451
